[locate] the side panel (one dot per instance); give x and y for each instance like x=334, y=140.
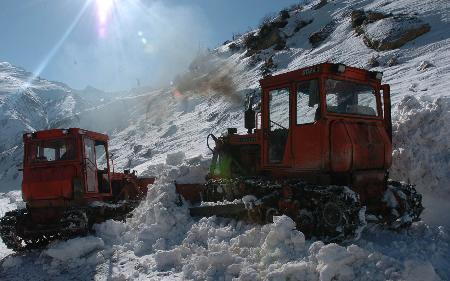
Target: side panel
x=341, y=148
x=308, y=146
x=48, y=182
x=358, y=146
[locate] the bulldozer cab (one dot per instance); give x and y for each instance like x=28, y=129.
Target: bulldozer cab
x=62, y=165
x=306, y=112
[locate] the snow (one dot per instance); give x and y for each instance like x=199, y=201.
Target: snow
x=163, y=132
x=416, y=270
x=161, y=240
x=421, y=152
x=9, y=201
x=175, y=159
x=74, y=248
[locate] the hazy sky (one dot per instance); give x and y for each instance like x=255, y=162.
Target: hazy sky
x=113, y=44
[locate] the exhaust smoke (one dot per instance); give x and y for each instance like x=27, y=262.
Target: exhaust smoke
x=208, y=75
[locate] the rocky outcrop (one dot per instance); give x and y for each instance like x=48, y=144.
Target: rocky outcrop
x=318, y=37
x=383, y=32
x=268, y=36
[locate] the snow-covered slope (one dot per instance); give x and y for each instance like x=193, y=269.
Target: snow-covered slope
x=163, y=133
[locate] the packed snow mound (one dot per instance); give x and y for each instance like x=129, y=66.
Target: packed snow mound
x=421, y=146
x=421, y=152
x=162, y=241
x=74, y=248
x=10, y=201
x=175, y=159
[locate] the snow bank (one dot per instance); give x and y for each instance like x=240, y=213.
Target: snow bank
x=175, y=159
x=419, y=270
x=10, y=201
x=12, y=261
x=74, y=248
x=421, y=151
x=161, y=240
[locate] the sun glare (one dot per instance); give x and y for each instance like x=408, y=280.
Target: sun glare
x=104, y=9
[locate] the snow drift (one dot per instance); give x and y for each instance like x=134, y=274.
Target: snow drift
x=162, y=241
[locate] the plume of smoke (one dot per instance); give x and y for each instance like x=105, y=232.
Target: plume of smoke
x=208, y=75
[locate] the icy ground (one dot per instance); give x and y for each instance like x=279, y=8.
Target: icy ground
x=163, y=133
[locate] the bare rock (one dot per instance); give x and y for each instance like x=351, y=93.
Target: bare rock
x=357, y=18
x=301, y=24
x=318, y=37
x=233, y=47
x=268, y=66
x=393, y=32
x=284, y=14
x=269, y=35
x=320, y=4
x=373, y=61
x=392, y=61
x=424, y=65
x=375, y=16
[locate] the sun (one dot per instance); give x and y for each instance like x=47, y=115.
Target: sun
x=104, y=10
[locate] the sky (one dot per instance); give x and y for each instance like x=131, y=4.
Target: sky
x=120, y=44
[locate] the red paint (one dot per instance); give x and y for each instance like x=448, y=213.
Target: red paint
x=48, y=184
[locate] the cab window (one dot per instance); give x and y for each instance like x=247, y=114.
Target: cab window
x=347, y=97
x=100, y=155
x=308, y=102
x=51, y=150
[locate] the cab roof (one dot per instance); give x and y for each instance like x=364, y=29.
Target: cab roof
x=59, y=133
x=315, y=71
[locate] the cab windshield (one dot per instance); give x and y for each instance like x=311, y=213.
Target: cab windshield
x=51, y=150
x=347, y=97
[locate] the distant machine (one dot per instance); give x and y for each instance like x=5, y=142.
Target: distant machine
x=67, y=187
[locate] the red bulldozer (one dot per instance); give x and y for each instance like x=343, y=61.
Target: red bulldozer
x=317, y=149
x=67, y=187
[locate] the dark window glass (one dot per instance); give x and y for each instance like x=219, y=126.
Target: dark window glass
x=52, y=150
x=308, y=102
x=100, y=155
x=279, y=109
x=350, y=98
x=279, y=123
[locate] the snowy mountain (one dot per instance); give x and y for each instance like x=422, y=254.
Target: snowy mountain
x=28, y=104
x=162, y=133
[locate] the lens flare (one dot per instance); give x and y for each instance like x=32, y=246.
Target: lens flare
x=104, y=9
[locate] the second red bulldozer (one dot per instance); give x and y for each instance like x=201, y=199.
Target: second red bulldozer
x=68, y=186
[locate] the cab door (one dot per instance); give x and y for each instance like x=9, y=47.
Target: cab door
x=276, y=125
x=308, y=130
x=90, y=165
